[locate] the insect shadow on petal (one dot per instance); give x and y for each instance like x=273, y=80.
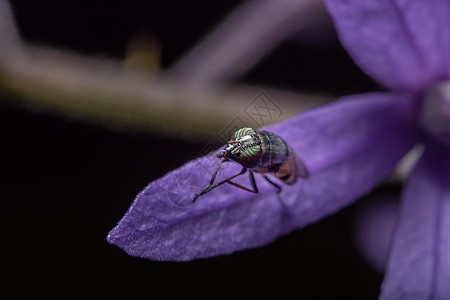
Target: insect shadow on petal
x=259, y=151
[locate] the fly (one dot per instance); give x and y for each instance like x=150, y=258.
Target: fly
x=259, y=151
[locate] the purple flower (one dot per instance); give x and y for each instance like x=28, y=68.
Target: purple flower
x=349, y=147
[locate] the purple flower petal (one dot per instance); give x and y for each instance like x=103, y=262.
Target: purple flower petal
x=348, y=146
x=401, y=44
x=419, y=265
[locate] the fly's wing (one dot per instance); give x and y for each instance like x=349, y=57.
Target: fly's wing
x=300, y=167
x=291, y=169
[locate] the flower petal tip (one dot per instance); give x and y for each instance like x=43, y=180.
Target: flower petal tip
x=335, y=141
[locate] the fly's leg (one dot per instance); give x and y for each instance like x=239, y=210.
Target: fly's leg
x=215, y=172
x=228, y=180
x=278, y=190
x=210, y=186
x=252, y=181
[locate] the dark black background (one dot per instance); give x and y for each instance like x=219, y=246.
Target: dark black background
x=66, y=183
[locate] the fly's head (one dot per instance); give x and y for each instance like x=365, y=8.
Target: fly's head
x=244, y=147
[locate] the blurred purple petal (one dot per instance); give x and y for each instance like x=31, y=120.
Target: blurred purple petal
x=403, y=45
x=435, y=113
x=373, y=229
x=349, y=146
x=419, y=265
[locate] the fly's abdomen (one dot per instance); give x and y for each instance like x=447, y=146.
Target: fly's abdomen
x=275, y=150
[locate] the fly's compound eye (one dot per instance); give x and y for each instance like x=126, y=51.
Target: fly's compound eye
x=246, y=131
